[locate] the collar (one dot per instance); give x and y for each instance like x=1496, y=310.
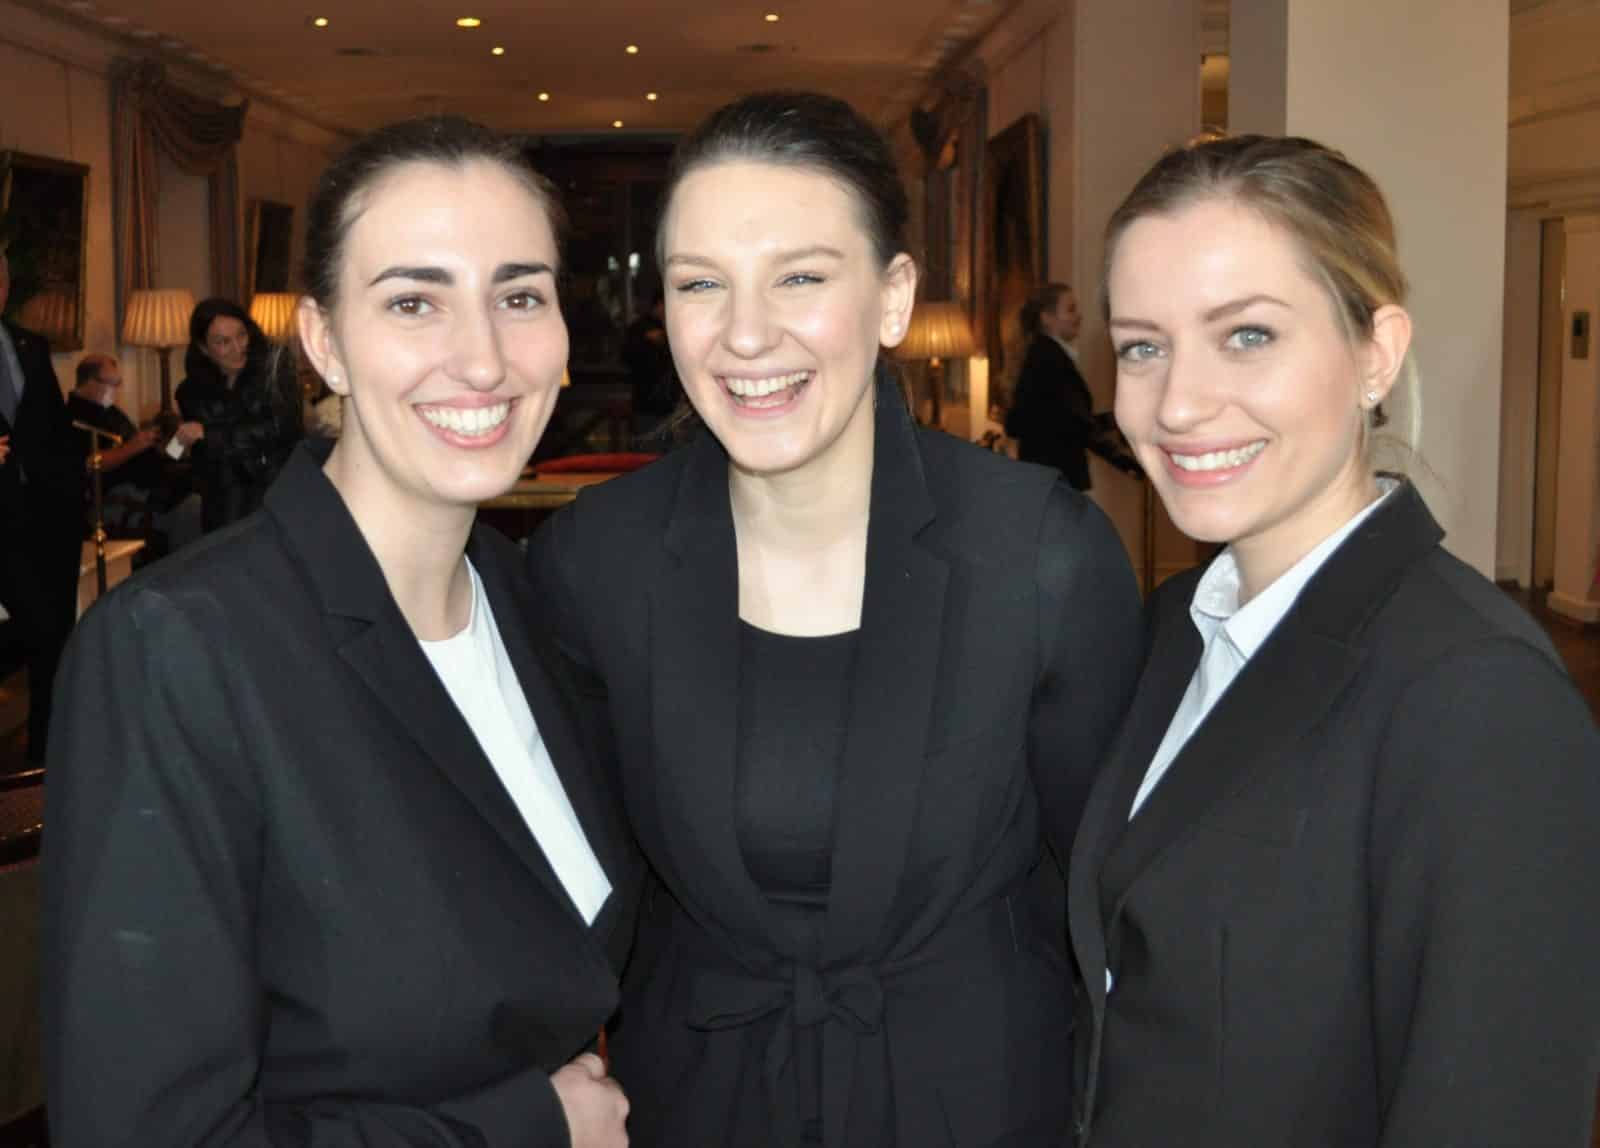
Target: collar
x=1072, y=352
x=1216, y=597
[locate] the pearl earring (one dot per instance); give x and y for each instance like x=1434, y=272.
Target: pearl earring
x=1372, y=397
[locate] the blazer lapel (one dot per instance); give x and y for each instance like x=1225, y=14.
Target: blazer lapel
x=694, y=676
x=538, y=674
x=897, y=660
x=380, y=647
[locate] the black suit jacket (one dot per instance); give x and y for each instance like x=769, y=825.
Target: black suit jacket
x=1000, y=636
x=41, y=441
x=1052, y=412
x=1360, y=907
x=288, y=900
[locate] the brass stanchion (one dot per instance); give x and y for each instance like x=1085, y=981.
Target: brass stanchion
x=96, y=434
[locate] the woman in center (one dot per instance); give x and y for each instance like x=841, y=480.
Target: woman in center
x=858, y=675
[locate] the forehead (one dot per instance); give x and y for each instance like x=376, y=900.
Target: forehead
x=224, y=326
x=762, y=206
x=463, y=211
x=1206, y=253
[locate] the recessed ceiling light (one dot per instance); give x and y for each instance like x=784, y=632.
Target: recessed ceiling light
x=467, y=22
x=497, y=50
x=544, y=97
x=616, y=123
x=320, y=22
x=632, y=49
x=772, y=17
x=651, y=96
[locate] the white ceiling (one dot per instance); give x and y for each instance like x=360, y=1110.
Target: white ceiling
x=379, y=60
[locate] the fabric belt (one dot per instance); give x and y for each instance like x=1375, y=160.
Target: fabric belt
x=847, y=1001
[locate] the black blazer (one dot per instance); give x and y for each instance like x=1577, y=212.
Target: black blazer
x=1000, y=637
x=1052, y=412
x=287, y=899
x=41, y=440
x=1360, y=907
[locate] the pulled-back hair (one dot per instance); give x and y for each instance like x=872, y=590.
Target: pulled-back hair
x=1040, y=303
x=448, y=141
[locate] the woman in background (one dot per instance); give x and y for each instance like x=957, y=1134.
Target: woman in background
x=240, y=407
x=327, y=863
x=1335, y=885
x=858, y=674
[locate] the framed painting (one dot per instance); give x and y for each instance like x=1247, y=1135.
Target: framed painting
x=1014, y=242
x=43, y=227
x=268, y=245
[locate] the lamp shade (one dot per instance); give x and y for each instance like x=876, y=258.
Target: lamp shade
x=52, y=313
x=273, y=312
x=158, y=318
x=937, y=331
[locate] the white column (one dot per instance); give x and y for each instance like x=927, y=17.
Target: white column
x=1416, y=94
x=1577, y=588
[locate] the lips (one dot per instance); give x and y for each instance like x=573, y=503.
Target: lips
x=467, y=422
x=765, y=392
x=1217, y=459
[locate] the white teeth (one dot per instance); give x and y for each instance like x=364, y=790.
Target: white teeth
x=758, y=388
x=1218, y=459
x=470, y=421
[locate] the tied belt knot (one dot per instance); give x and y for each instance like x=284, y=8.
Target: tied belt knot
x=801, y=996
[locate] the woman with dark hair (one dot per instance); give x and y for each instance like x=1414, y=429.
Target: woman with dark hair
x=241, y=411
x=327, y=862
x=1335, y=884
x=858, y=675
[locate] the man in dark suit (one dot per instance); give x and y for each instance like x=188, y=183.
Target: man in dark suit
x=1052, y=412
x=40, y=511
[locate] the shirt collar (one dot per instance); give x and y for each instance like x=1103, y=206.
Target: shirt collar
x=1216, y=599
x=1072, y=352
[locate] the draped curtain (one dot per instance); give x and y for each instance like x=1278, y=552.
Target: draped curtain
x=202, y=138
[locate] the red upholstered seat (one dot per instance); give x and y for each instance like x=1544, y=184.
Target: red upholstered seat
x=617, y=462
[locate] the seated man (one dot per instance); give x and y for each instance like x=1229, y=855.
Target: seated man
x=134, y=480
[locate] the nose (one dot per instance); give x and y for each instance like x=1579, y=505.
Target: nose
x=475, y=355
x=1189, y=396
x=750, y=331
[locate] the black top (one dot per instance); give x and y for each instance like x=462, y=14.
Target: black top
x=143, y=470
x=794, y=697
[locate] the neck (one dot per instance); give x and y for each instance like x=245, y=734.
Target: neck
x=420, y=548
x=814, y=506
x=1266, y=557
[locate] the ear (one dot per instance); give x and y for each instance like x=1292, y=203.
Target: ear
x=899, y=296
x=316, y=336
x=1385, y=352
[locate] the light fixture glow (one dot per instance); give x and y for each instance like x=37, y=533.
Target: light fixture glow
x=651, y=96
x=497, y=50
x=544, y=97
x=468, y=22
x=632, y=49
x=320, y=22
x=616, y=123
x=772, y=17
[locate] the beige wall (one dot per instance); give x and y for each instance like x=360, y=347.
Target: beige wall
x=1518, y=400
x=1577, y=565
x=55, y=101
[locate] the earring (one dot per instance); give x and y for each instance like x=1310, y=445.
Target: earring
x=1372, y=397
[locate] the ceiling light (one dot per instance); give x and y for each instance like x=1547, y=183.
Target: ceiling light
x=632, y=49
x=651, y=96
x=772, y=17
x=544, y=97
x=497, y=50
x=468, y=22
x=616, y=123
x=320, y=22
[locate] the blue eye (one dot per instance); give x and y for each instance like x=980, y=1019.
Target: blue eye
x=801, y=279
x=694, y=286
x=1140, y=351
x=1248, y=338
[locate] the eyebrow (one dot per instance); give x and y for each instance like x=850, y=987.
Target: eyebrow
x=1221, y=311
x=799, y=253
x=502, y=274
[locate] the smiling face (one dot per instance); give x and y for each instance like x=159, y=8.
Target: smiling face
x=776, y=306
x=446, y=336
x=227, y=344
x=1237, y=386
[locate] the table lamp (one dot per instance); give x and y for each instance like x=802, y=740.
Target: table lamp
x=273, y=312
x=938, y=331
x=160, y=319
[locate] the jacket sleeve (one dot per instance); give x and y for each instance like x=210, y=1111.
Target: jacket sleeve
x=1484, y=860
x=254, y=435
x=156, y=1016
x=1092, y=642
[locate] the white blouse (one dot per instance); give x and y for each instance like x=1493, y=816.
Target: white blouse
x=478, y=675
